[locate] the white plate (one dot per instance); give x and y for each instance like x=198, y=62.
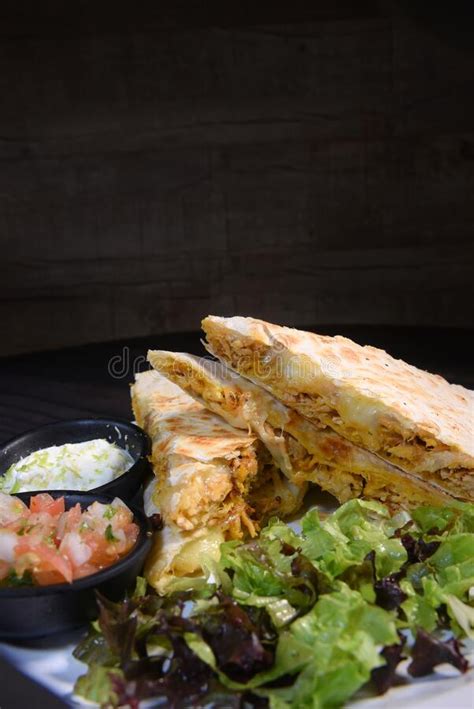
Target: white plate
x=57, y=669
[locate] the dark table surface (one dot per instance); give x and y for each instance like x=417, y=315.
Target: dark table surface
x=93, y=380
x=20, y=692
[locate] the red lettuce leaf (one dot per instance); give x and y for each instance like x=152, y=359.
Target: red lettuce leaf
x=388, y=594
x=243, y=640
x=384, y=677
x=428, y=652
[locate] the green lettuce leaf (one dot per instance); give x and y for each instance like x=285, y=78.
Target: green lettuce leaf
x=96, y=685
x=419, y=609
x=462, y=614
x=453, y=564
x=334, y=646
x=457, y=518
x=346, y=537
x=445, y=578
x=269, y=571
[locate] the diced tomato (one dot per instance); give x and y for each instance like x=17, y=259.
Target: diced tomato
x=85, y=570
x=125, y=537
x=56, y=546
x=131, y=531
x=75, y=549
x=12, y=509
x=46, y=578
x=4, y=569
x=45, y=503
x=48, y=559
x=41, y=523
x=69, y=521
x=104, y=552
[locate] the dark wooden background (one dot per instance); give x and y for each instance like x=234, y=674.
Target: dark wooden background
x=310, y=163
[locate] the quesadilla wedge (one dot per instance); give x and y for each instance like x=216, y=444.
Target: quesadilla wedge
x=303, y=451
x=414, y=420
x=211, y=480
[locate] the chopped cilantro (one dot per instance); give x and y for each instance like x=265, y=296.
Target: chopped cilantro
x=51, y=539
x=25, y=528
x=110, y=512
x=12, y=579
x=109, y=535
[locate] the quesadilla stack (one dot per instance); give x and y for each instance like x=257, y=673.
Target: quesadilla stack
x=212, y=482
x=303, y=450
x=415, y=421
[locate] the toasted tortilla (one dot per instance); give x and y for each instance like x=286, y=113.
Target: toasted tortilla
x=303, y=451
x=211, y=479
x=176, y=554
x=414, y=420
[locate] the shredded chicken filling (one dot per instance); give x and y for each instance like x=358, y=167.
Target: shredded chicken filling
x=228, y=508
x=201, y=386
x=401, y=449
x=238, y=503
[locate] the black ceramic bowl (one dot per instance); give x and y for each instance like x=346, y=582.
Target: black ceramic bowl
x=122, y=433
x=32, y=612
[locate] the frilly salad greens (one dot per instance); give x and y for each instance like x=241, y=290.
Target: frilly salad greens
x=295, y=619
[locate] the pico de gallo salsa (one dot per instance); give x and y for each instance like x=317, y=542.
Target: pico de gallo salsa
x=43, y=543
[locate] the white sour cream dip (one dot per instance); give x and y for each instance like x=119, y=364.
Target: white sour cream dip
x=72, y=466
